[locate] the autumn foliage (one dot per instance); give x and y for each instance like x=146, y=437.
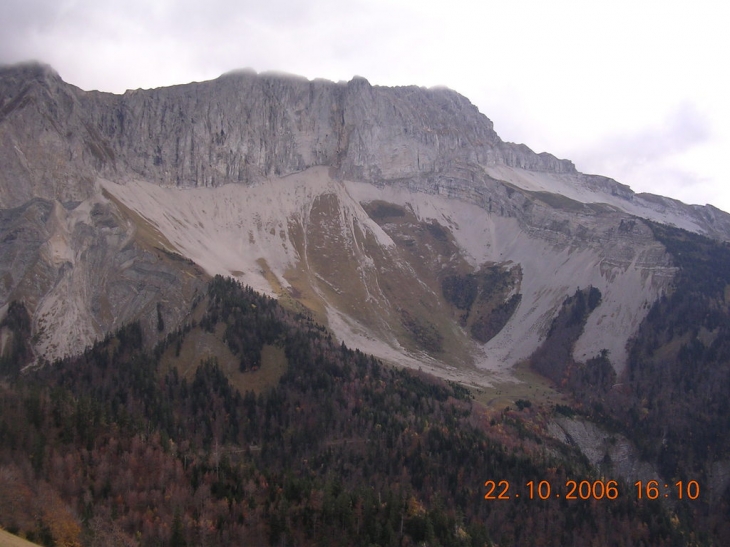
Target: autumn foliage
x=110, y=448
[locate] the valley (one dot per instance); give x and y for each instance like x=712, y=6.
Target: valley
x=309, y=302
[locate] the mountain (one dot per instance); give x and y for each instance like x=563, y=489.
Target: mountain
x=360, y=203
x=397, y=218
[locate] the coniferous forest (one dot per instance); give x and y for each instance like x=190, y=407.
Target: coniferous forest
x=115, y=448
x=672, y=398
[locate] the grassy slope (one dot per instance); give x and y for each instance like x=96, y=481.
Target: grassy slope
x=529, y=386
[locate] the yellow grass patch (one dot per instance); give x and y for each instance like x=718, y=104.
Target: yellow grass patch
x=9, y=540
x=200, y=345
x=273, y=367
x=147, y=233
x=529, y=385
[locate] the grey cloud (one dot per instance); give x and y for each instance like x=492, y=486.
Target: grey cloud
x=215, y=19
x=20, y=20
x=184, y=20
x=682, y=130
x=189, y=36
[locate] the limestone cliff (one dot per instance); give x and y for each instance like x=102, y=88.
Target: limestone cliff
x=283, y=182
x=239, y=128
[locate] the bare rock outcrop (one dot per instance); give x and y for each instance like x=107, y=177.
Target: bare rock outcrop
x=237, y=129
x=76, y=251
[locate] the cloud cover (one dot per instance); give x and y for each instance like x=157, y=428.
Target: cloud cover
x=635, y=91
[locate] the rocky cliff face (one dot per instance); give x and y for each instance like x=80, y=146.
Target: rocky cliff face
x=42, y=151
x=242, y=127
x=283, y=182
x=84, y=269
x=396, y=216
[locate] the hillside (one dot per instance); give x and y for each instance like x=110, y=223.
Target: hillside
x=118, y=447
x=313, y=306
x=276, y=180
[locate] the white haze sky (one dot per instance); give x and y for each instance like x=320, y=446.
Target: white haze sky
x=635, y=90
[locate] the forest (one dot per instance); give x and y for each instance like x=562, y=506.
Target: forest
x=113, y=448
x=672, y=398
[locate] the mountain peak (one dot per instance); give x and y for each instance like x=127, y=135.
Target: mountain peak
x=359, y=81
x=30, y=70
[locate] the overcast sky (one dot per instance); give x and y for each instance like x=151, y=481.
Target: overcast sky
x=635, y=90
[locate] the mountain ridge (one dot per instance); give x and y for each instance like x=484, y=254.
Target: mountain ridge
x=105, y=139
x=333, y=148
x=399, y=220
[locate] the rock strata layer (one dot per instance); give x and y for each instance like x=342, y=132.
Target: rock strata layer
x=90, y=239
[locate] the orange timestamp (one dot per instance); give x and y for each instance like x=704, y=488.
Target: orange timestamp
x=573, y=490
x=588, y=490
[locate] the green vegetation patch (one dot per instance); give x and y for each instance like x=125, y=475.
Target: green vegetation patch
x=554, y=358
x=461, y=290
x=486, y=327
x=382, y=210
x=423, y=331
x=15, y=329
x=482, y=299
